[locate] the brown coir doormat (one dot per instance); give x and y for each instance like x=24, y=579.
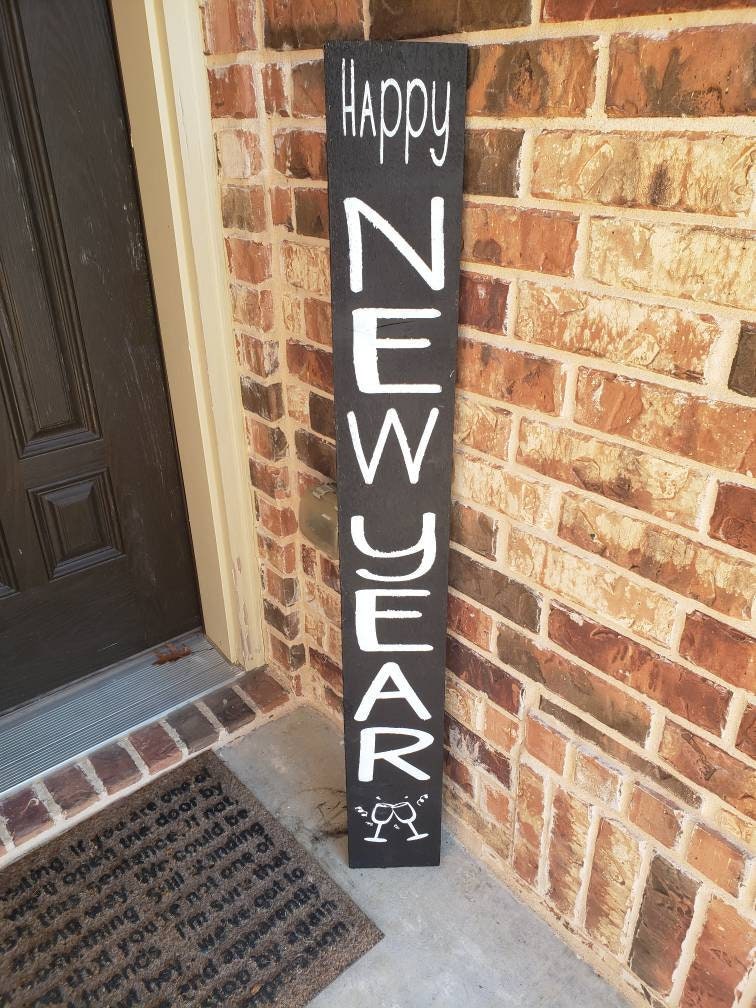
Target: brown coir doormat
x=186, y=893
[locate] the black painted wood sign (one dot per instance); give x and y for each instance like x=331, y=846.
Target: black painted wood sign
x=395, y=125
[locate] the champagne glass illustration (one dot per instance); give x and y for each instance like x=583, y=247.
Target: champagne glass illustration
x=382, y=813
x=405, y=813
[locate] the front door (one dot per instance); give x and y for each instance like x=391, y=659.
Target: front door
x=95, y=559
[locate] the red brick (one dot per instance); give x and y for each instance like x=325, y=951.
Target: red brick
x=282, y=556
x=691, y=696
x=329, y=573
x=696, y=72
x=528, y=824
x=458, y=773
x=263, y=690
x=616, y=750
x=243, y=207
x=328, y=670
x=481, y=426
x=498, y=804
x=547, y=77
x=662, y=257
x=311, y=207
x=545, y=743
x=322, y=418
x=602, y=700
x=287, y=623
x=272, y=480
x=306, y=267
x=193, y=728
x=509, y=376
x=274, y=89
x=284, y=590
x=569, y=829
x=474, y=530
x=540, y=240
x=471, y=750
x=670, y=490
x=468, y=621
x=257, y=355
x=238, y=153
x=270, y=442
x=664, y=919
x=743, y=371
x=716, y=433
x=734, y=517
x=710, y=767
x=232, y=91
x=71, y=790
x=156, y=747
x=317, y=320
x=315, y=453
x=483, y=675
x=459, y=701
x=115, y=768
x=720, y=649
x=602, y=781
x=616, y=861
x=264, y=400
x=491, y=162
x=300, y=24
x=670, y=341
x=25, y=816
x=310, y=364
x=229, y=708
x=495, y=590
x=281, y=521
x=308, y=89
x=716, y=858
x=228, y=26
x=429, y=17
x=579, y=10
x=495, y=486
x=599, y=588
x=281, y=208
x=655, y=815
x=632, y=169
x=724, y=953
x=482, y=302
x=300, y=154
x=746, y=740
x=254, y=308
x=664, y=557
x=248, y=260
x=500, y=729
x=288, y=656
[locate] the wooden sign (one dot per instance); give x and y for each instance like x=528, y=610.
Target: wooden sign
x=395, y=135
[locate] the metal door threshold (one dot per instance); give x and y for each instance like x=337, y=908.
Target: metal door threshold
x=73, y=721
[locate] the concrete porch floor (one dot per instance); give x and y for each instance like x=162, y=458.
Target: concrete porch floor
x=455, y=936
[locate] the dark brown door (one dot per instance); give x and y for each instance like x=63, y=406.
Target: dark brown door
x=95, y=560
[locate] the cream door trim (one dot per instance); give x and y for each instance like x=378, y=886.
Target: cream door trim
x=165, y=83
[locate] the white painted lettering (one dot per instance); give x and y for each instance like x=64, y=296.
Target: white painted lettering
x=443, y=131
x=433, y=275
x=390, y=672
x=412, y=463
x=369, y=757
x=366, y=616
x=366, y=344
x=426, y=545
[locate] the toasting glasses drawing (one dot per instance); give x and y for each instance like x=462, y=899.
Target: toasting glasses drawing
x=383, y=812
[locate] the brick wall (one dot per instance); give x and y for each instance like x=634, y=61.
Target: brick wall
x=601, y=732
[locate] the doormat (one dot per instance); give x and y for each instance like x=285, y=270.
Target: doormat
x=186, y=893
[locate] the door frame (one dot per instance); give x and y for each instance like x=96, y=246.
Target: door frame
x=160, y=49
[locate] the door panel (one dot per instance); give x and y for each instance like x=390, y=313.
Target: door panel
x=95, y=560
